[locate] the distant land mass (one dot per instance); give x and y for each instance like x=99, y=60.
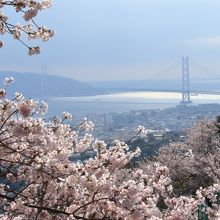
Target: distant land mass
x=157, y=84
x=31, y=85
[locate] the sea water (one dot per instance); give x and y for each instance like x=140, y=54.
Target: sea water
x=121, y=102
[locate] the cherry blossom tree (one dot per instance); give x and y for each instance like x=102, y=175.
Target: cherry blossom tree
x=195, y=163
x=195, y=166
x=38, y=181
x=28, y=9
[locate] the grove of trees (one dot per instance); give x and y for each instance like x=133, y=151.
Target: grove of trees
x=38, y=181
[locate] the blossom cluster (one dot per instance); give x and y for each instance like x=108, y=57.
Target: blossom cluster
x=195, y=166
x=38, y=181
x=29, y=10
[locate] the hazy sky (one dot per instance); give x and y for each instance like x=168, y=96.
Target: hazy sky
x=123, y=39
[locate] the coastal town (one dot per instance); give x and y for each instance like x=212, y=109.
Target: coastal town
x=162, y=126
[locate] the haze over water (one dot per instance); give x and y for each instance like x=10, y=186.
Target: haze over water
x=122, y=102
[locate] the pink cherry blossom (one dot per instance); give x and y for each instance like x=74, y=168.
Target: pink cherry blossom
x=25, y=108
x=41, y=182
x=28, y=9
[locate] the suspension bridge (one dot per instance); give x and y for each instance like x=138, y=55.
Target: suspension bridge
x=185, y=86
x=184, y=76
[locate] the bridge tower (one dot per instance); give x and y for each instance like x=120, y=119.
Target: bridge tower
x=44, y=82
x=185, y=81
